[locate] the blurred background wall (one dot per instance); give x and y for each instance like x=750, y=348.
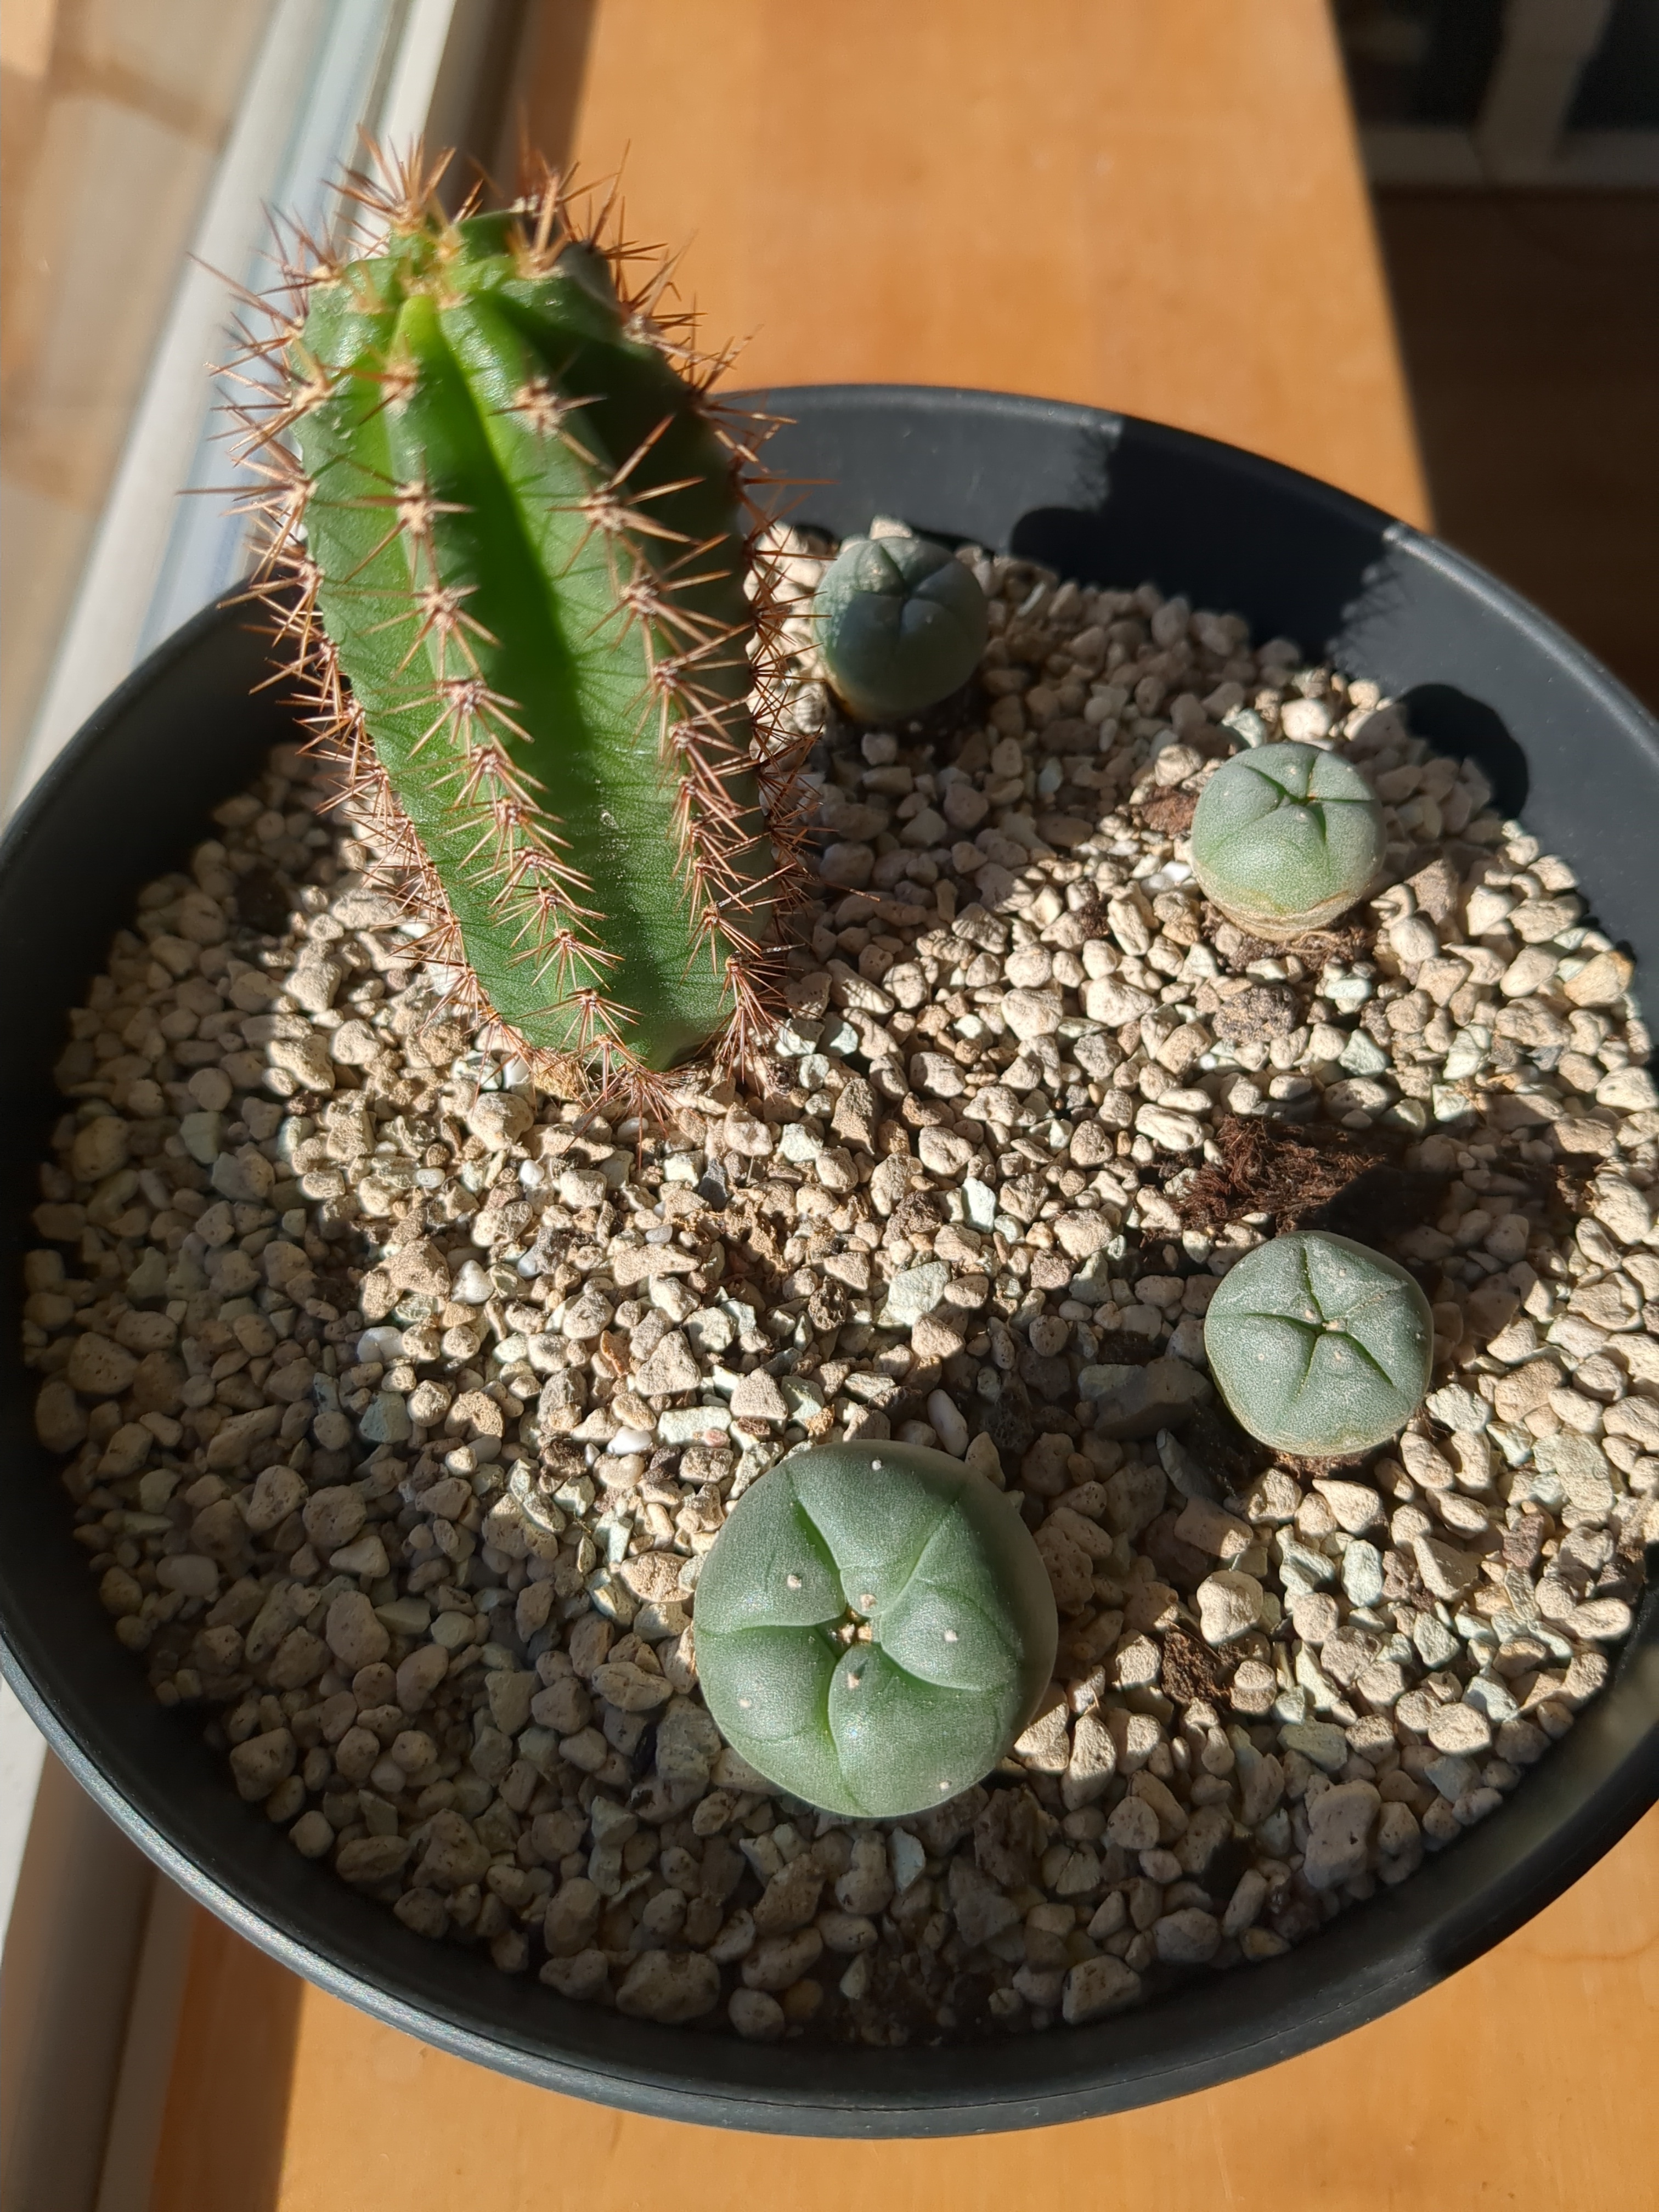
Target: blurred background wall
x=115, y=114
x=1512, y=148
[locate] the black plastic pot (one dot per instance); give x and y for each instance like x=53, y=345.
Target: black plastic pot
x=1100, y=497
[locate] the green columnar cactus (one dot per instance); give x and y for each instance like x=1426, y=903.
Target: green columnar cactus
x=874, y=1627
x=901, y=624
x=523, y=571
x=1319, y=1347
x=1285, y=838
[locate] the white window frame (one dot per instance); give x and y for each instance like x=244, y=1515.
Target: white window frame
x=327, y=73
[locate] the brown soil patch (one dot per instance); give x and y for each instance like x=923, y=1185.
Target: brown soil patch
x=1350, y=1469
x=1238, y=947
x=1192, y=1670
x=1289, y=1173
x=1215, y=1440
x=1310, y=1177
x=1123, y=1348
x=1169, y=815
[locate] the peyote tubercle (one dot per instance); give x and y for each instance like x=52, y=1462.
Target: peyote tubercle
x=1286, y=837
x=1320, y=1346
x=901, y=624
x=523, y=573
x=874, y=1627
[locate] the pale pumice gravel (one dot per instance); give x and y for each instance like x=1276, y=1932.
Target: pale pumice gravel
x=399, y=1407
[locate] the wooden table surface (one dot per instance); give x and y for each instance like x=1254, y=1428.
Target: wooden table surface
x=1153, y=205
x=1527, y=2079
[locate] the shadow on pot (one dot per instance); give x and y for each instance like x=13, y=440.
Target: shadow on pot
x=1468, y=729
x=1140, y=507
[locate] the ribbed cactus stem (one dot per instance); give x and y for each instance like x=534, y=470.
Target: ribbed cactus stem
x=525, y=542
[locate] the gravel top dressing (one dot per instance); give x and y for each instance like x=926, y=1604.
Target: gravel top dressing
x=400, y=1407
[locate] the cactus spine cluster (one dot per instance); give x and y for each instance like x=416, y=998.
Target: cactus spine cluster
x=512, y=536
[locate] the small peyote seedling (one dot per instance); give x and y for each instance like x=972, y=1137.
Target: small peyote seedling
x=1285, y=838
x=1320, y=1346
x=517, y=529
x=901, y=624
x=874, y=1627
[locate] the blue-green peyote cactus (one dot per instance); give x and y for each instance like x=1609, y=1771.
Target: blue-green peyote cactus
x=1319, y=1347
x=901, y=624
x=874, y=1627
x=1285, y=838
x=518, y=532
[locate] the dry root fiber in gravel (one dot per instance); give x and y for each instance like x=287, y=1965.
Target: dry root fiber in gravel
x=398, y=1407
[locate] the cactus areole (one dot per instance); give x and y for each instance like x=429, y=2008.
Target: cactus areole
x=1320, y=1346
x=521, y=533
x=1285, y=838
x=874, y=1627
